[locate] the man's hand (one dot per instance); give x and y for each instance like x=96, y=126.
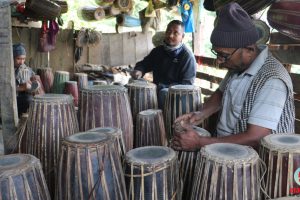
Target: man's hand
x=136, y=74
x=186, y=141
x=193, y=118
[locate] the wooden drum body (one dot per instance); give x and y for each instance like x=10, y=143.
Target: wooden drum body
x=60, y=78
x=285, y=17
x=47, y=78
x=181, y=99
x=72, y=89
x=142, y=96
x=150, y=129
x=187, y=163
x=106, y=106
x=151, y=173
x=116, y=135
x=227, y=171
x=22, y=178
x=51, y=117
x=90, y=168
x=281, y=153
x=81, y=79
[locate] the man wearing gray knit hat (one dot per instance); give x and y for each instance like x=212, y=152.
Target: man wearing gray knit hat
x=256, y=96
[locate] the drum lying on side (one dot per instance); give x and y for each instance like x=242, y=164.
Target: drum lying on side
x=150, y=129
x=22, y=178
x=90, y=168
x=106, y=106
x=51, y=118
x=116, y=134
x=152, y=173
x=281, y=153
x=227, y=171
x=285, y=17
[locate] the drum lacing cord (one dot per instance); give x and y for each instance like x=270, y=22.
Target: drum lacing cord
x=263, y=168
x=19, y=133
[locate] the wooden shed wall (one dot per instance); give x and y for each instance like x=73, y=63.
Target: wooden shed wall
x=113, y=49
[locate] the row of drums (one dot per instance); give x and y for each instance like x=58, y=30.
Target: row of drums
x=91, y=166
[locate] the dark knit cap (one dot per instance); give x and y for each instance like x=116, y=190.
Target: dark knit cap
x=18, y=50
x=234, y=28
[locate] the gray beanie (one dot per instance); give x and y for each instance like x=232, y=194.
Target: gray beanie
x=18, y=50
x=234, y=28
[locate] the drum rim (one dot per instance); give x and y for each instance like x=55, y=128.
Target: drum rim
x=114, y=131
x=251, y=158
x=104, y=89
x=62, y=72
x=28, y=161
x=51, y=97
x=181, y=88
x=129, y=159
x=201, y=131
x=151, y=112
x=266, y=143
x=107, y=139
x=138, y=85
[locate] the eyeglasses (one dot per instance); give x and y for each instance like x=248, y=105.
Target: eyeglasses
x=224, y=57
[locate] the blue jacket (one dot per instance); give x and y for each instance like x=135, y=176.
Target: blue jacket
x=169, y=68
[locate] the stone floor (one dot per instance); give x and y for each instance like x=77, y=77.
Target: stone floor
x=1, y=141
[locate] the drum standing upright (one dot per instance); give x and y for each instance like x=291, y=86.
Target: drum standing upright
x=60, y=78
x=116, y=134
x=181, y=99
x=90, y=168
x=142, y=96
x=151, y=173
x=82, y=80
x=227, y=171
x=22, y=178
x=51, y=118
x=47, y=78
x=106, y=106
x=72, y=89
x=281, y=153
x=187, y=163
x=150, y=129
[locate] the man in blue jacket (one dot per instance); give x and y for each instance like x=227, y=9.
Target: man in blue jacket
x=171, y=63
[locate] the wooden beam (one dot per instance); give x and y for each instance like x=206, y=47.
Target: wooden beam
x=8, y=100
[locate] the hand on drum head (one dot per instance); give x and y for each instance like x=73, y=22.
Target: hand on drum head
x=136, y=74
x=193, y=118
x=189, y=141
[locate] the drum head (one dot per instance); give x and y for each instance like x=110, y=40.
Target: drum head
x=141, y=84
x=149, y=112
x=184, y=87
x=62, y=72
x=150, y=155
x=224, y=152
x=53, y=97
x=202, y=131
x=105, y=88
x=263, y=31
x=282, y=142
x=107, y=130
x=87, y=137
x=13, y=163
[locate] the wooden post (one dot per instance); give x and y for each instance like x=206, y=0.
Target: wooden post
x=8, y=100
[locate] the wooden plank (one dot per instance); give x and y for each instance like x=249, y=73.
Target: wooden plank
x=297, y=108
x=296, y=82
x=207, y=77
x=105, y=49
x=116, y=50
x=140, y=50
x=129, y=48
x=297, y=126
x=8, y=99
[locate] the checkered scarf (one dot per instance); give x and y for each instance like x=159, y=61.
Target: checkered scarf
x=272, y=68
